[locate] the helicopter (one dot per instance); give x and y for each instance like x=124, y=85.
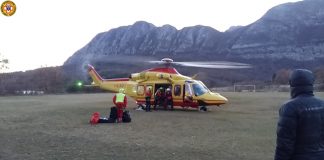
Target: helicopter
x=186, y=91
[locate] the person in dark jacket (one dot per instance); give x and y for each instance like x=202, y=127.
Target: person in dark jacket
x=300, y=130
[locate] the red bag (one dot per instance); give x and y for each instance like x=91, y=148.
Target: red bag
x=95, y=118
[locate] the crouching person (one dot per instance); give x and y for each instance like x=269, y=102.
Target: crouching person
x=120, y=100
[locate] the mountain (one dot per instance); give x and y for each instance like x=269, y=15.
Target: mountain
x=287, y=36
x=143, y=38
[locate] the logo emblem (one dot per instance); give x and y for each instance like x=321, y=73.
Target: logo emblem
x=8, y=8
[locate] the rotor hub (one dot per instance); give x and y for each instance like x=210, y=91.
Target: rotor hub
x=167, y=61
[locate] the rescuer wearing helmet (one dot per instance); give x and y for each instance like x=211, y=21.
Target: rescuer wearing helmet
x=158, y=97
x=168, y=99
x=120, y=100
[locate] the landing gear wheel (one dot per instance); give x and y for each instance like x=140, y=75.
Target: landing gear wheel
x=202, y=108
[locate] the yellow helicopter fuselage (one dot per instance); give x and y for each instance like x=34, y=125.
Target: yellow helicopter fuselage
x=186, y=91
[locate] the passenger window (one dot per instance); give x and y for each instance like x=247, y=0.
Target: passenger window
x=140, y=90
x=177, y=90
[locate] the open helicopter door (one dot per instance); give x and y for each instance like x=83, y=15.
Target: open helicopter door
x=164, y=86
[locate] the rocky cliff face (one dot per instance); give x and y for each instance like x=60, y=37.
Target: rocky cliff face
x=143, y=38
x=292, y=30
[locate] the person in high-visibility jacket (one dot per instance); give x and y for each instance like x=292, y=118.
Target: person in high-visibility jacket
x=120, y=100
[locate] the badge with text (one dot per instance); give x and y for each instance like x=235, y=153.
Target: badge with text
x=8, y=8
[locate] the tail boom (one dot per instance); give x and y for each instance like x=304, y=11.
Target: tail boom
x=107, y=84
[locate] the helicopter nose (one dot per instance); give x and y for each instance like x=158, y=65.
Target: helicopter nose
x=220, y=97
x=223, y=98
x=214, y=99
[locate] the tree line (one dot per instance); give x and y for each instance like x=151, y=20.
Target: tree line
x=282, y=77
x=47, y=80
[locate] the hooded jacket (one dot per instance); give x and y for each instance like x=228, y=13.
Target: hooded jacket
x=300, y=130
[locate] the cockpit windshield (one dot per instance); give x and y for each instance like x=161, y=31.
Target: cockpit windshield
x=199, y=89
x=203, y=85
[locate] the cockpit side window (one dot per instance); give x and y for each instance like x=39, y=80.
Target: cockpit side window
x=188, y=91
x=199, y=89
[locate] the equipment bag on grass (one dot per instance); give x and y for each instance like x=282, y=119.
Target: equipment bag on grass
x=113, y=113
x=95, y=118
x=126, y=117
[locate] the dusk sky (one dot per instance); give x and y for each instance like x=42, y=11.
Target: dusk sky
x=46, y=33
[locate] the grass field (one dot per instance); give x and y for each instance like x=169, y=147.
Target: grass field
x=56, y=127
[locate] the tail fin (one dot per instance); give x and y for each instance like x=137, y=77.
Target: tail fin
x=94, y=75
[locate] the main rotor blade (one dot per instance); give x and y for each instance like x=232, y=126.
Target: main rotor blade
x=207, y=64
x=214, y=64
x=156, y=62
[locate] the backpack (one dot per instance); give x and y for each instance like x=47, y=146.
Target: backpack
x=126, y=117
x=113, y=113
x=95, y=118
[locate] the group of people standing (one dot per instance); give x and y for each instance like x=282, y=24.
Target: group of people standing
x=162, y=97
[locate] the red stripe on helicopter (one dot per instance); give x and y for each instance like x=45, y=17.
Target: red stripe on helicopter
x=117, y=79
x=164, y=70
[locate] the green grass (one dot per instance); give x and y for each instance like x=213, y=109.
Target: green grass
x=56, y=127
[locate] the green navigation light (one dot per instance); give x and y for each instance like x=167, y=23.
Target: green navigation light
x=79, y=84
